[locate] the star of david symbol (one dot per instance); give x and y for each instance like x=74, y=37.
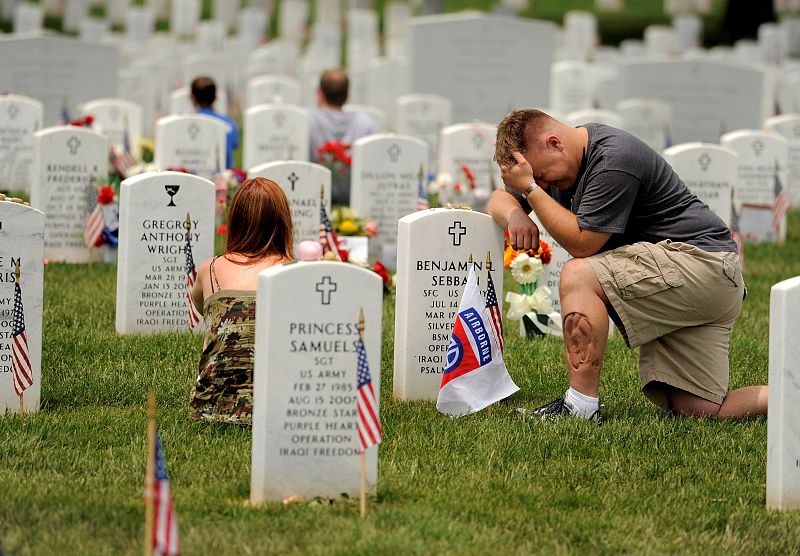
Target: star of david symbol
x=477, y=140
x=796, y=130
x=13, y=110
x=757, y=146
x=394, y=152
x=279, y=118
x=456, y=231
x=193, y=130
x=326, y=287
x=73, y=143
x=704, y=161
x=293, y=179
x=114, y=113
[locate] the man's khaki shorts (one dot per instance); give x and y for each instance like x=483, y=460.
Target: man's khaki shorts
x=677, y=303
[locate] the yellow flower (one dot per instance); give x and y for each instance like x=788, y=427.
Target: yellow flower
x=348, y=227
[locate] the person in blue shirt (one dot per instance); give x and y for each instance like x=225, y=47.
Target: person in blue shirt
x=204, y=93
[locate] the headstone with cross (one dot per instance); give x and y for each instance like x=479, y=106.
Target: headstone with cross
x=572, y=86
x=378, y=83
x=21, y=240
x=377, y=115
x=433, y=247
x=464, y=56
x=64, y=159
x=20, y=118
x=709, y=171
x=468, y=150
x=270, y=89
x=788, y=127
x=305, y=440
x=648, y=119
x=152, y=294
x=783, y=448
x=117, y=118
x=761, y=180
x=194, y=142
x=180, y=101
x=301, y=181
x=385, y=186
x=423, y=117
x=275, y=132
x=707, y=96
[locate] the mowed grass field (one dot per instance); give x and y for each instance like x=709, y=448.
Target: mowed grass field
x=71, y=476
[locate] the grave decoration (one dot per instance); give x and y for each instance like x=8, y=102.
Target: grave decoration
x=533, y=308
x=225, y=185
x=102, y=215
x=122, y=162
x=336, y=157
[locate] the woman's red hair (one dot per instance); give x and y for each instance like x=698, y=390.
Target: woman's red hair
x=259, y=221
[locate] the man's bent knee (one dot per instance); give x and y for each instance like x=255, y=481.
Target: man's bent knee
x=686, y=404
x=578, y=277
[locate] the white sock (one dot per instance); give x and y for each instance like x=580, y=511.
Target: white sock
x=582, y=406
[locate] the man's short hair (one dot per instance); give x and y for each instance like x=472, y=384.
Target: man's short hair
x=515, y=129
x=334, y=85
x=204, y=92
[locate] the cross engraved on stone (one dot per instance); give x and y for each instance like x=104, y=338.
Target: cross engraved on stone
x=456, y=231
x=279, y=118
x=73, y=143
x=326, y=287
x=13, y=110
x=477, y=140
x=172, y=190
x=394, y=152
x=705, y=161
x=193, y=131
x=293, y=179
x=757, y=146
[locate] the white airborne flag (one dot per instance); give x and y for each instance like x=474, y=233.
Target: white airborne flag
x=476, y=375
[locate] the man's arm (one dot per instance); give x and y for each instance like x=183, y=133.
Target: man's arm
x=560, y=222
x=509, y=214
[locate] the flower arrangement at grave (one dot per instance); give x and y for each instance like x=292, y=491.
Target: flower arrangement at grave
x=463, y=192
x=108, y=201
x=225, y=186
x=346, y=222
x=334, y=155
x=533, y=308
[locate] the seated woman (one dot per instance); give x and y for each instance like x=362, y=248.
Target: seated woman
x=259, y=236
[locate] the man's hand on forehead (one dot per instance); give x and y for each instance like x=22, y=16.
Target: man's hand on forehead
x=518, y=176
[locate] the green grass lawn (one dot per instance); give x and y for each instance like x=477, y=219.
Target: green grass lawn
x=72, y=475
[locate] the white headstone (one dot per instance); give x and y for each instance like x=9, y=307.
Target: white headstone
x=788, y=94
x=184, y=16
x=465, y=57
x=788, y=127
x=116, y=10
x=140, y=22
x=275, y=132
x=606, y=117
x=661, y=41
x=424, y=117
x=377, y=115
x=468, y=149
x=707, y=97
x=195, y=142
x=180, y=101
x=293, y=20
x=74, y=12
x=226, y=12
x=84, y=71
x=385, y=184
x=302, y=183
x=64, y=159
x=648, y=119
x=709, y=171
x=762, y=170
x=771, y=42
x=206, y=65
x=95, y=30
x=28, y=18
x=433, y=247
x=21, y=239
x=551, y=277
x=397, y=16
x=572, y=86
x=325, y=46
x=117, y=118
x=210, y=37
x=688, y=29
x=783, y=455
x=152, y=295
x=253, y=24
x=328, y=11
x=268, y=89
x=20, y=118
x=580, y=32
x=362, y=38
x=305, y=439
x=274, y=58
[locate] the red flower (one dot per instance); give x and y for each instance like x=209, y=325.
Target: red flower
x=469, y=175
x=106, y=195
x=239, y=174
x=381, y=271
x=223, y=229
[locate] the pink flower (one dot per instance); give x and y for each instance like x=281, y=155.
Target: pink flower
x=371, y=228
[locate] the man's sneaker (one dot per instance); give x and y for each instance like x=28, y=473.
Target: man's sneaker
x=560, y=408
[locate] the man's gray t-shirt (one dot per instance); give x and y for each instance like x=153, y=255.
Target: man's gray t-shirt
x=626, y=188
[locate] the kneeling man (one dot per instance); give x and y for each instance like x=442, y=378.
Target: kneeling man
x=647, y=253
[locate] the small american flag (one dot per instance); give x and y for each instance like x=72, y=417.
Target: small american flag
x=165, y=522
x=327, y=237
x=422, y=193
x=94, y=224
x=369, y=424
x=494, y=311
x=735, y=233
x=781, y=204
x=63, y=115
x=121, y=158
x=191, y=275
x=21, y=360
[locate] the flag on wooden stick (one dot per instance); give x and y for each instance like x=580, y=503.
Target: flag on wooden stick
x=369, y=424
x=94, y=224
x=21, y=359
x=161, y=525
x=327, y=237
x=422, y=193
x=191, y=276
x=780, y=205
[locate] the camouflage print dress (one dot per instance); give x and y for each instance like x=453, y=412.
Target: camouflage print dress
x=223, y=391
